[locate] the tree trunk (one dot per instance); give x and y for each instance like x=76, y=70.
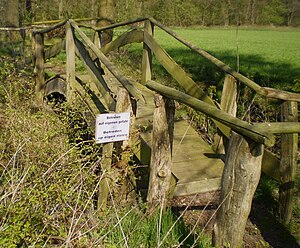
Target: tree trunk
x=61, y=9
x=106, y=13
x=161, y=159
x=239, y=181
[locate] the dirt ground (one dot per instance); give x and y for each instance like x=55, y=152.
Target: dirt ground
x=262, y=230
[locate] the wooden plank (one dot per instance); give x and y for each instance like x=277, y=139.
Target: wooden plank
x=112, y=68
x=70, y=60
x=239, y=181
x=288, y=163
x=96, y=75
x=147, y=55
x=161, y=158
x=242, y=127
x=126, y=38
x=196, y=187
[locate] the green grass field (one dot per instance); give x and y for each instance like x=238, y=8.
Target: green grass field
x=270, y=57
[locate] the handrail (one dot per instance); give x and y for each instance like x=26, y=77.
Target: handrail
x=46, y=30
x=121, y=24
x=112, y=68
x=253, y=132
x=264, y=91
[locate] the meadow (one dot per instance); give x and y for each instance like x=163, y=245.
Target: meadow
x=270, y=57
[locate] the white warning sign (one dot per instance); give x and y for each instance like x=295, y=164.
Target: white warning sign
x=112, y=127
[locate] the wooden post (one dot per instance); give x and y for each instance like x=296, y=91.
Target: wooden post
x=70, y=63
x=39, y=63
x=106, y=161
x=239, y=181
x=229, y=105
x=161, y=159
x=147, y=54
x=126, y=104
x=124, y=149
x=97, y=39
x=288, y=163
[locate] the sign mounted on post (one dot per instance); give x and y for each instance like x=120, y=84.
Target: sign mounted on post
x=112, y=127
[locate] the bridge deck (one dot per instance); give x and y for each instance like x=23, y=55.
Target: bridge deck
x=195, y=165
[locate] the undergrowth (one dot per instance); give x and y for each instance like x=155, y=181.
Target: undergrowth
x=49, y=180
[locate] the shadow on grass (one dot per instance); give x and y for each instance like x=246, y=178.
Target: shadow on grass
x=263, y=213
x=279, y=75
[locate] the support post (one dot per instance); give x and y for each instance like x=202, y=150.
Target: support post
x=70, y=63
x=288, y=163
x=229, y=105
x=239, y=182
x=147, y=54
x=161, y=153
x=39, y=64
x=107, y=153
x=127, y=104
x=124, y=149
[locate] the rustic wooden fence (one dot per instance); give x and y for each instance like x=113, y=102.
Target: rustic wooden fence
x=246, y=155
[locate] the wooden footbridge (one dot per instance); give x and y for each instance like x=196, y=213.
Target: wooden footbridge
x=180, y=161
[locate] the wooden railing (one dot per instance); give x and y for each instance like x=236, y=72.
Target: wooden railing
x=245, y=150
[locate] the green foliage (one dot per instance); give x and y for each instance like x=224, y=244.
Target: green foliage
x=49, y=175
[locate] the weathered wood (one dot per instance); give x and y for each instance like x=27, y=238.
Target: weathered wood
x=70, y=60
x=55, y=84
x=46, y=30
x=242, y=127
x=284, y=95
x=39, y=62
x=124, y=39
x=181, y=77
x=161, y=154
x=196, y=187
x=126, y=104
x=288, y=163
x=112, y=68
x=147, y=54
x=96, y=39
x=229, y=105
x=55, y=49
x=239, y=182
x=280, y=127
x=281, y=94
x=96, y=75
x=124, y=148
x=120, y=24
x=106, y=161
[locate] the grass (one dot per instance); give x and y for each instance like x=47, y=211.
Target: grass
x=270, y=57
x=48, y=182
x=56, y=209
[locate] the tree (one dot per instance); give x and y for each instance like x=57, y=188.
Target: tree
x=106, y=13
x=292, y=11
x=9, y=11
